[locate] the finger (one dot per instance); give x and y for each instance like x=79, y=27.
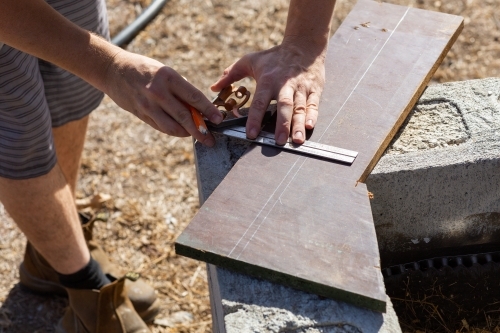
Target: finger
x=186, y=92
x=152, y=123
x=235, y=72
x=180, y=113
x=168, y=82
x=284, y=114
x=260, y=102
x=160, y=120
x=152, y=114
x=299, y=118
x=312, y=110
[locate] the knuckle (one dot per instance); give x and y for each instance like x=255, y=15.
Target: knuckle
x=284, y=123
x=157, y=92
x=284, y=128
x=183, y=117
x=169, y=75
x=285, y=102
x=299, y=109
x=287, y=81
x=301, y=86
x=312, y=107
x=259, y=104
x=298, y=68
x=208, y=109
x=143, y=104
x=266, y=81
x=195, y=97
x=253, y=122
x=165, y=70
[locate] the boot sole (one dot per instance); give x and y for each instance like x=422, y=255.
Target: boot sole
x=39, y=286
x=149, y=315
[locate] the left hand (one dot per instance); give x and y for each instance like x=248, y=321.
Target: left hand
x=292, y=73
x=158, y=95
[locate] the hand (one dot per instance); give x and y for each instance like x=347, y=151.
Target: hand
x=155, y=94
x=292, y=73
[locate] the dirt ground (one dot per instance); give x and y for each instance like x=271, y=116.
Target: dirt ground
x=149, y=178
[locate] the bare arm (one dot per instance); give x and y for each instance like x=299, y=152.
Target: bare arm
x=293, y=73
x=143, y=86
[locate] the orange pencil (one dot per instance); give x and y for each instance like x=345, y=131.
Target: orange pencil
x=199, y=122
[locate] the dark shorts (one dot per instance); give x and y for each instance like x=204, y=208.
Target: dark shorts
x=36, y=96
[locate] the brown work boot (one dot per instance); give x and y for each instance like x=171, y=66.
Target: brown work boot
x=37, y=275
x=107, y=310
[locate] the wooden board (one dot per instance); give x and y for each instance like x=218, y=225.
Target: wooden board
x=305, y=222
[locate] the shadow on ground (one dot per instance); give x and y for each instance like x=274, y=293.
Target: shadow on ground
x=25, y=312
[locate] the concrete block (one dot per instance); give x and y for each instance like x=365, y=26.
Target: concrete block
x=242, y=304
x=437, y=188
x=252, y=305
x=436, y=192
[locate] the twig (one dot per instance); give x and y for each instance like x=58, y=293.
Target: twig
x=153, y=263
x=435, y=308
x=195, y=275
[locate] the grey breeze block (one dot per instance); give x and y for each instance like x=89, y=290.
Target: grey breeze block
x=437, y=188
x=435, y=192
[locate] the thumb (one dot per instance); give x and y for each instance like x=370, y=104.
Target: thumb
x=237, y=71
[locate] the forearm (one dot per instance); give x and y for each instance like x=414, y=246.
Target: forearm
x=153, y=92
x=34, y=27
x=310, y=21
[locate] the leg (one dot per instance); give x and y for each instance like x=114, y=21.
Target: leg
x=32, y=188
x=44, y=209
x=38, y=192
x=69, y=140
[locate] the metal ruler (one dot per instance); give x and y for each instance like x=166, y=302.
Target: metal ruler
x=326, y=152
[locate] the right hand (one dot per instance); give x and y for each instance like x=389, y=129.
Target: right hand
x=293, y=74
x=155, y=94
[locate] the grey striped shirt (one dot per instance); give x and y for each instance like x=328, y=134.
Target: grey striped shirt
x=36, y=95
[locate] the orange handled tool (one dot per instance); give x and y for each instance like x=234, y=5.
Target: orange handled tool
x=199, y=122
x=222, y=99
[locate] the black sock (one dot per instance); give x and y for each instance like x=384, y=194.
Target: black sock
x=89, y=277
x=84, y=218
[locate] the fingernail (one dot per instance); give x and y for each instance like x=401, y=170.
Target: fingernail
x=298, y=136
x=309, y=122
x=216, y=118
x=282, y=139
x=252, y=134
x=209, y=142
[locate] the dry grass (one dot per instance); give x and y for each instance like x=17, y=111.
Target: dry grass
x=151, y=178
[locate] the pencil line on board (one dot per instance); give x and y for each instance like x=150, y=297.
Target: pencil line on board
x=366, y=71
x=291, y=168
x=270, y=210
x=264, y=206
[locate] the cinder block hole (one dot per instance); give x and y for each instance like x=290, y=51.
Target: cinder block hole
x=447, y=294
